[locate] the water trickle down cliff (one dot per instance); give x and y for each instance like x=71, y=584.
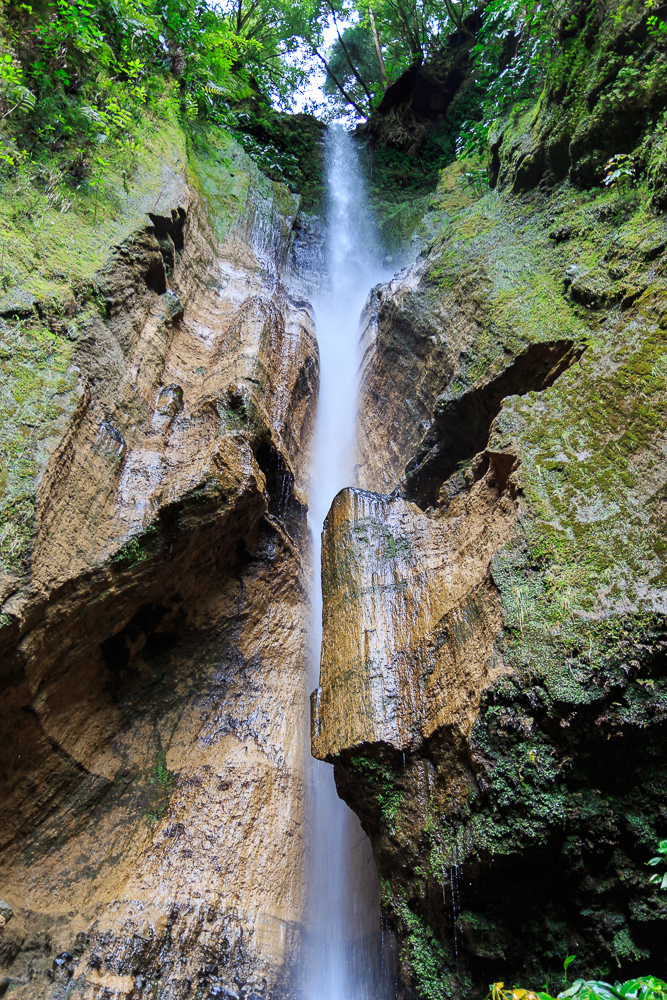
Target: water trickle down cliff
x=154, y=599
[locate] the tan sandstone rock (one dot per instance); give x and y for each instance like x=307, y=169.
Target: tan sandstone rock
x=154, y=654
x=410, y=616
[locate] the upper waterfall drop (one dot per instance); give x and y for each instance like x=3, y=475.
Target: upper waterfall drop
x=353, y=262
x=345, y=959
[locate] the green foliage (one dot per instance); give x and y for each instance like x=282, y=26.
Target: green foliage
x=424, y=955
x=163, y=782
x=381, y=779
x=661, y=859
x=511, y=53
x=92, y=78
x=287, y=148
x=353, y=63
x=644, y=988
x=377, y=40
x=138, y=548
x=619, y=171
x=36, y=391
x=84, y=86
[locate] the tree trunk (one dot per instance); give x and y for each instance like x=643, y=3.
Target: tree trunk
x=378, y=48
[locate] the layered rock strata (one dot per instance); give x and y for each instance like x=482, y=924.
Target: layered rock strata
x=154, y=622
x=410, y=616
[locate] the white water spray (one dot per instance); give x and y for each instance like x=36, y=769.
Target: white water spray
x=344, y=959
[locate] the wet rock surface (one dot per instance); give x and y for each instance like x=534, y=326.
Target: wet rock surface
x=410, y=617
x=153, y=632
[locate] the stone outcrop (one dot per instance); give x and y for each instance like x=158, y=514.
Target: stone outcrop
x=154, y=614
x=410, y=616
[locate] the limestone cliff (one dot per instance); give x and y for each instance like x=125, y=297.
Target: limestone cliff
x=493, y=686
x=157, y=399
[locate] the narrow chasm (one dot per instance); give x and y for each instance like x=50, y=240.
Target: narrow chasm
x=333, y=500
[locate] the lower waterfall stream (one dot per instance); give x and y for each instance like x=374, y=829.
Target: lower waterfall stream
x=345, y=956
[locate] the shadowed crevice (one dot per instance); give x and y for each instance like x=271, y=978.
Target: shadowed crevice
x=461, y=426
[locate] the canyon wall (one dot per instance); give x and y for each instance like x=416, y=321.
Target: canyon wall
x=493, y=688
x=157, y=401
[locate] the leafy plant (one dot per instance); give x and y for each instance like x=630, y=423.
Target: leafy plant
x=475, y=179
x=661, y=859
x=511, y=55
x=619, y=171
x=644, y=988
x=657, y=26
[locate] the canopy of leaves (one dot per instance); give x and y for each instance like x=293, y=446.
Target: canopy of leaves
x=379, y=40
x=81, y=82
x=353, y=63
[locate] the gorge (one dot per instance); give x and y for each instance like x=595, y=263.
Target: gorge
x=464, y=785
x=345, y=954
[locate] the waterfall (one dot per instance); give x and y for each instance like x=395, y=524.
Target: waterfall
x=344, y=955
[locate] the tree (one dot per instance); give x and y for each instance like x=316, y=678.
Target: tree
x=354, y=71
x=384, y=39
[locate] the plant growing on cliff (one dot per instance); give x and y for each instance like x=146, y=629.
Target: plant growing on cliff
x=78, y=78
x=619, y=171
x=644, y=988
x=163, y=782
x=381, y=779
x=566, y=965
x=511, y=53
x=424, y=954
x=661, y=859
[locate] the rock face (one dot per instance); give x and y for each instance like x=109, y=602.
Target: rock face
x=602, y=98
x=494, y=685
x=410, y=616
x=154, y=619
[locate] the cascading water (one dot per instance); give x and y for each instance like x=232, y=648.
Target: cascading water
x=345, y=959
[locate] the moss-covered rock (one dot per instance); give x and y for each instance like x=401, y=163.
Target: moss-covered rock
x=288, y=148
x=605, y=95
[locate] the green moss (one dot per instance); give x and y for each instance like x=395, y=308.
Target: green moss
x=424, y=956
x=380, y=778
x=287, y=148
x=138, y=548
x=163, y=783
x=234, y=190
x=604, y=90
x=55, y=238
x=37, y=397
x=223, y=174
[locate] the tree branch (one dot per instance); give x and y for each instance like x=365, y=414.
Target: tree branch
x=347, y=54
x=378, y=48
x=340, y=85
